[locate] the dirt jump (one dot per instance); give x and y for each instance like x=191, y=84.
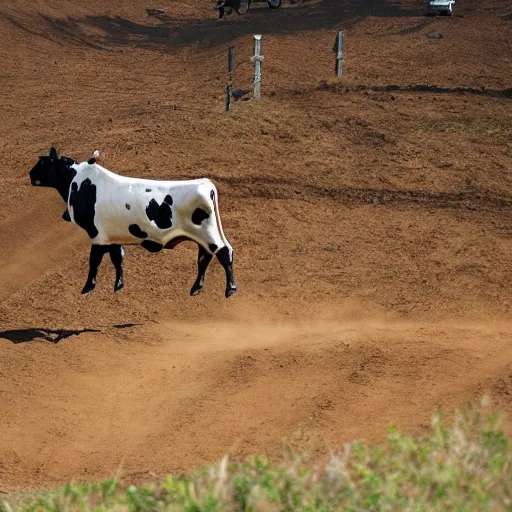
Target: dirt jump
x=370, y=218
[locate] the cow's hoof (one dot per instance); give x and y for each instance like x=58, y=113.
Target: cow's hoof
x=195, y=290
x=230, y=291
x=88, y=288
x=118, y=286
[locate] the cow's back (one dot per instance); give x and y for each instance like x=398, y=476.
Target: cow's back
x=129, y=210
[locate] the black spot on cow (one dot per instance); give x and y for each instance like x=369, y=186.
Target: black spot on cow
x=66, y=216
x=127, y=206
x=212, y=195
x=213, y=247
x=135, y=230
x=151, y=246
x=198, y=216
x=83, y=201
x=148, y=190
x=160, y=214
x=168, y=199
x=91, y=161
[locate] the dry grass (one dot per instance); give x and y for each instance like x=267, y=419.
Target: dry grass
x=464, y=465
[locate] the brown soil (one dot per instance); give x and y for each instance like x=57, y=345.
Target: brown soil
x=371, y=226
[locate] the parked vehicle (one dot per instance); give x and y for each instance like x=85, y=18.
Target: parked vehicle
x=442, y=7
x=273, y=4
x=242, y=6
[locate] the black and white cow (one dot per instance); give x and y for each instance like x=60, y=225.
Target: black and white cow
x=229, y=5
x=116, y=210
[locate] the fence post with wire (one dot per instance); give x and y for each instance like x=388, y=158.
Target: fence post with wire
x=257, y=59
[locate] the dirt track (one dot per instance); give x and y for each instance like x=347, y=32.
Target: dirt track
x=371, y=229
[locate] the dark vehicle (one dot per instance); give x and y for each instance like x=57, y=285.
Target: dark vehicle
x=242, y=6
x=273, y=4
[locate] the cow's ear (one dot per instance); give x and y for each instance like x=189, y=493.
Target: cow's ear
x=53, y=154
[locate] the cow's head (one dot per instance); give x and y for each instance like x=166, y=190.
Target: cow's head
x=52, y=171
x=44, y=173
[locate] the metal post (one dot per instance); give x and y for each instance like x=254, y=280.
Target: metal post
x=257, y=58
x=339, y=54
x=230, y=78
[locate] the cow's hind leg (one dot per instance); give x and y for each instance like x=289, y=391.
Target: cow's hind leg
x=203, y=260
x=116, y=255
x=225, y=257
x=95, y=257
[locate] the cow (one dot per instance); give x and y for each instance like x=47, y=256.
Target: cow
x=116, y=210
x=222, y=5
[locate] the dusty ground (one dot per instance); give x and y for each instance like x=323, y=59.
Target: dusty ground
x=371, y=227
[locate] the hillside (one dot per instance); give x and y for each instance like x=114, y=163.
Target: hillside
x=370, y=223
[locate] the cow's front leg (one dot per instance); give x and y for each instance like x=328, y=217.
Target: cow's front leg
x=97, y=252
x=203, y=260
x=225, y=257
x=116, y=252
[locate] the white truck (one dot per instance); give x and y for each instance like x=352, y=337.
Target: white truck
x=442, y=7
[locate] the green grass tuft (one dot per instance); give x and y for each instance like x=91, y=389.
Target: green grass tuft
x=464, y=465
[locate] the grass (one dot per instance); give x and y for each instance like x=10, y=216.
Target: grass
x=441, y=127
x=460, y=465
x=499, y=132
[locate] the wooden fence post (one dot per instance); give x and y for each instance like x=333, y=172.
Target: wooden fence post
x=338, y=48
x=257, y=58
x=230, y=78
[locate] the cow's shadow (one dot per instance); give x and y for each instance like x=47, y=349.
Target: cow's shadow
x=52, y=335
